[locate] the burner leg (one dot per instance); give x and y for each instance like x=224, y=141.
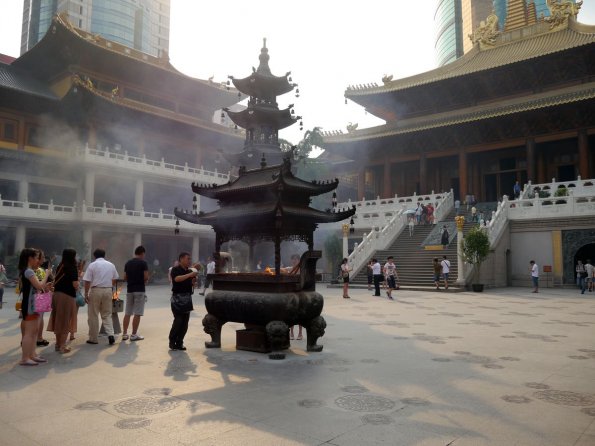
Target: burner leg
x=315, y=330
x=212, y=327
x=277, y=332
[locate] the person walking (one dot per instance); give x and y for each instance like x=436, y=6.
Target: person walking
x=581, y=275
x=40, y=272
x=444, y=237
x=418, y=213
x=516, y=190
x=377, y=273
x=473, y=214
x=99, y=280
x=211, y=266
x=411, y=226
x=65, y=286
x=136, y=274
x=28, y=285
x=345, y=270
x=457, y=206
x=3, y=280
x=534, y=276
x=369, y=271
x=590, y=278
x=437, y=268
x=445, y=264
x=181, y=300
x=390, y=274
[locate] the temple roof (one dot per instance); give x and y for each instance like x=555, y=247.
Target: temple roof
x=253, y=117
x=512, y=47
x=64, y=46
x=13, y=78
x=257, y=181
x=543, y=100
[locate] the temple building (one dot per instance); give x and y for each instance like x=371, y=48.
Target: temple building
x=99, y=142
x=518, y=107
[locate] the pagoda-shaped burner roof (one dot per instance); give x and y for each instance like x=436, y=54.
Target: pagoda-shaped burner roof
x=253, y=117
x=258, y=181
x=262, y=83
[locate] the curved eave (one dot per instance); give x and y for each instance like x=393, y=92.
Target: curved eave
x=148, y=109
x=263, y=86
x=474, y=114
x=475, y=61
x=312, y=189
x=253, y=117
x=66, y=34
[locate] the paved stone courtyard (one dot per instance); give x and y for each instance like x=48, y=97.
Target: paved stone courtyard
x=504, y=367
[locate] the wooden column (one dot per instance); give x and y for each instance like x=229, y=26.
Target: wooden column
x=583, y=154
x=361, y=184
x=386, y=189
x=423, y=180
x=92, y=139
x=21, y=135
x=541, y=173
x=462, y=175
x=531, y=160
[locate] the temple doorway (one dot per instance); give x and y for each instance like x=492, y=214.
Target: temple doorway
x=585, y=252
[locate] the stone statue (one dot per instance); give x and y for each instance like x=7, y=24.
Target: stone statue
x=560, y=11
x=351, y=127
x=487, y=31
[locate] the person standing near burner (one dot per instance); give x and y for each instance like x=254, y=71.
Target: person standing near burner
x=182, y=287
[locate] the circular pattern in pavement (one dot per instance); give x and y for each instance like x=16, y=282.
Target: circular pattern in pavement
x=414, y=401
x=369, y=361
x=400, y=338
x=90, y=405
x=565, y=398
x=516, y=399
x=493, y=366
x=589, y=411
x=538, y=386
x=509, y=358
x=158, y=391
x=310, y=403
x=133, y=423
x=377, y=419
x=146, y=405
x=354, y=389
x=578, y=357
x=441, y=359
x=364, y=403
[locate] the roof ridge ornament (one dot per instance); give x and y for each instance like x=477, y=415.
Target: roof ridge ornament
x=487, y=31
x=561, y=11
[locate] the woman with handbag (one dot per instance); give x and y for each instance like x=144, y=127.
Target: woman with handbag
x=63, y=299
x=345, y=269
x=182, y=286
x=28, y=263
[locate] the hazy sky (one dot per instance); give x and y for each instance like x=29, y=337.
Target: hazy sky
x=327, y=45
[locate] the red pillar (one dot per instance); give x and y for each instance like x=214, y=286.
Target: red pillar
x=423, y=180
x=386, y=189
x=531, y=161
x=361, y=183
x=463, y=191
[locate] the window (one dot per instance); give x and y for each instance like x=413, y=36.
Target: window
x=32, y=135
x=8, y=130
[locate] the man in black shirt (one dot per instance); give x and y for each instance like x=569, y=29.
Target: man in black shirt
x=136, y=273
x=182, y=285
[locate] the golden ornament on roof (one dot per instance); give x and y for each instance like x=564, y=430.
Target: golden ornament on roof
x=487, y=31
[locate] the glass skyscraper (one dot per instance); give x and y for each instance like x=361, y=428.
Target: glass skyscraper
x=501, y=8
x=449, y=31
x=139, y=24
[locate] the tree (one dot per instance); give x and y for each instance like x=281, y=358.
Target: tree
x=476, y=248
x=312, y=138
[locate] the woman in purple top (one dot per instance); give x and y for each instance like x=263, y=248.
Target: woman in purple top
x=28, y=263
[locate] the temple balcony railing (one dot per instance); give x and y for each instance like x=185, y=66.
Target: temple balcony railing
x=379, y=212
x=579, y=187
x=24, y=211
x=380, y=238
x=143, y=165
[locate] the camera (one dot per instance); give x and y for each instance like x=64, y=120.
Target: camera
x=46, y=264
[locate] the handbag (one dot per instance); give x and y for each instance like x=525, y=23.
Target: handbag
x=80, y=299
x=43, y=302
x=18, y=305
x=181, y=303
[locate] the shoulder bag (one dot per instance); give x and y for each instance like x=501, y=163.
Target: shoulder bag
x=181, y=303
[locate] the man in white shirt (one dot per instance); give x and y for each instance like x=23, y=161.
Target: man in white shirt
x=377, y=274
x=210, y=272
x=445, y=270
x=590, y=270
x=390, y=273
x=99, y=279
x=534, y=275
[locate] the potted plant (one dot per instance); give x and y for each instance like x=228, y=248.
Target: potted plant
x=561, y=192
x=476, y=247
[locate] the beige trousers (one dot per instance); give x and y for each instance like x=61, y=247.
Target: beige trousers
x=100, y=304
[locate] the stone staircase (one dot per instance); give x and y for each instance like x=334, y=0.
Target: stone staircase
x=414, y=263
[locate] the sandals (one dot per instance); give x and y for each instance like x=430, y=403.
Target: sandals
x=39, y=359
x=65, y=349
x=43, y=343
x=28, y=363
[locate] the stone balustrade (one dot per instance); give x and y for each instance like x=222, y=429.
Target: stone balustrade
x=148, y=166
x=579, y=187
x=24, y=211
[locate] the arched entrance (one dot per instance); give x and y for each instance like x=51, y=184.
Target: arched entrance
x=585, y=252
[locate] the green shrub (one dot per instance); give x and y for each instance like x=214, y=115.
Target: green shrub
x=476, y=248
